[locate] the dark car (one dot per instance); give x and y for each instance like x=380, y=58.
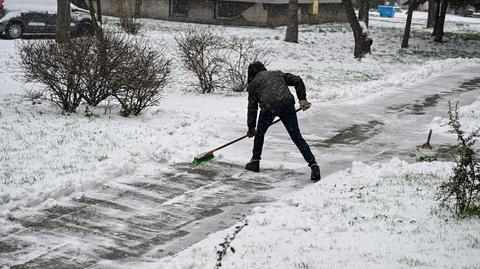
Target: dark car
x=16, y=22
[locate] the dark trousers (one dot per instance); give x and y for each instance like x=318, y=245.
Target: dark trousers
x=288, y=116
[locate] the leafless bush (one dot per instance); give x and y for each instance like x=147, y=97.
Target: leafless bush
x=105, y=69
x=58, y=67
x=148, y=73
x=241, y=53
x=94, y=69
x=464, y=185
x=129, y=17
x=201, y=52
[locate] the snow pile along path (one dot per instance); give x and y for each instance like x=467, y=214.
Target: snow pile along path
x=379, y=216
x=469, y=119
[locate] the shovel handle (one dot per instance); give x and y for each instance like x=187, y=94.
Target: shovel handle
x=429, y=136
x=243, y=137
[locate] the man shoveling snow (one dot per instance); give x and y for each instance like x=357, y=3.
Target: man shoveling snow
x=269, y=90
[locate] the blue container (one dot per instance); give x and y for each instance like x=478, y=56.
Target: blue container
x=386, y=11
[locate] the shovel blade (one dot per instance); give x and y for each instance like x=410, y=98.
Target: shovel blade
x=203, y=158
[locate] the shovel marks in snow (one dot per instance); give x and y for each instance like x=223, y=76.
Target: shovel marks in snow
x=417, y=107
x=354, y=134
x=133, y=219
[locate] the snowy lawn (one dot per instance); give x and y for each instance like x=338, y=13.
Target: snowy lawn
x=378, y=216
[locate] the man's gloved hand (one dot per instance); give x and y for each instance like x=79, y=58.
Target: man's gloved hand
x=251, y=132
x=304, y=104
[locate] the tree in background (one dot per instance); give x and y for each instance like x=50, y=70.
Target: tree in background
x=431, y=13
x=412, y=5
x=363, y=11
x=292, y=27
x=98, y=30
x=362, y=41
x=63, y=21
x=438, y=30
x=441, y=7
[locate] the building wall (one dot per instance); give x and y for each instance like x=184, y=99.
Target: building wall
x=155, y=9
x=331, y=12
x=327, y=12
x=203, y=11
x=111, y=7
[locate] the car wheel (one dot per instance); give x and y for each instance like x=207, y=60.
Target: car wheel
x=14, y=30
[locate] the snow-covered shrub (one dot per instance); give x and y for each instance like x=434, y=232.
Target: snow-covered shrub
x=94, y=69
x=202, y=53
x=464, y=185
x=241, y=53
x=148, y=72
x=218, y=62
x=105, y=69
x=59, y=67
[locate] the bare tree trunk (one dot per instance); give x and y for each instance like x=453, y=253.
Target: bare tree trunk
x=366, y=17
x=439, y=26
x=63, y=21
x=362, y=41
x=437, y=16
x=98, y=30
x=431, y=14
x=292, y=27
x=99, y=11
x=361, y=9
x=406, y=34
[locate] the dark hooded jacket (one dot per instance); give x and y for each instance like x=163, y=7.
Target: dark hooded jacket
x=269, y=89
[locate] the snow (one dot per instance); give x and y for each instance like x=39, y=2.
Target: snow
x=370, y=216
x=469, y=119
x=349, y=219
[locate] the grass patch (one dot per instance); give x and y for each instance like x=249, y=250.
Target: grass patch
x=474, y=242
x=464, y=36
x=422, y=179
x=412, y=262
x=302, y=265
x=472, y=212
x=438, y=54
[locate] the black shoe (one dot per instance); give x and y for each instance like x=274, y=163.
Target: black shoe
x=253, y=166
x=315, y=172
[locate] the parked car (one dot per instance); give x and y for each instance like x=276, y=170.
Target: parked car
x=16, y=20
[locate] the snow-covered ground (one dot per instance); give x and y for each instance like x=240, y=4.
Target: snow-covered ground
x=469, y=119
x=46, y=155
x=369, y=216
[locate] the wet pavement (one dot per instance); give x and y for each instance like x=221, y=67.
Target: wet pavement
x=149, y=218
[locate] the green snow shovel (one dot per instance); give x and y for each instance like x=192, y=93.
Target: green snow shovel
x=207, y=156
